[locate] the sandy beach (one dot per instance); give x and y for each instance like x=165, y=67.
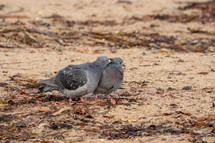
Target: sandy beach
x=168, y=47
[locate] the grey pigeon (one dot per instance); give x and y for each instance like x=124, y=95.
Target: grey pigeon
x=112, y=77
x=77, y=80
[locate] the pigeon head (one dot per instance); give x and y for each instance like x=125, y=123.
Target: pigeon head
x=117, y=61
x=103, y=60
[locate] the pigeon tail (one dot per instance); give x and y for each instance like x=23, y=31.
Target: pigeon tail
x=48, y=82
x=47, y=88
x=48, y=85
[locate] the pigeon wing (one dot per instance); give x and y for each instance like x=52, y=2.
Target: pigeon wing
x=71, y=78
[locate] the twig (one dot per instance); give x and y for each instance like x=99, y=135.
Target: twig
x=34, y=30
x=6, y=45
x=29, y=36
x=148, y=140
x=10, y=63
x=13, y=16
x=51, y=34
x=124, y=1
x=61, y=110
x=15, y=11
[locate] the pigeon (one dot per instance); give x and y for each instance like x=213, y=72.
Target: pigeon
x=112, y=77
x=74, y=81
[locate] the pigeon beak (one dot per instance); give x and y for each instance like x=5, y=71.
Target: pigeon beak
x=123, y=65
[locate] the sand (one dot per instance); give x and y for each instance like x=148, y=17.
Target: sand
x=152, y=93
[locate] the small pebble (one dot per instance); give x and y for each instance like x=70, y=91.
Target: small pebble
x=180, y=60
x=187, y=88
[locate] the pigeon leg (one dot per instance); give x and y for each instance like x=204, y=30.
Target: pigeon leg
x=95, y=98
x=109, y=96
x=70, y=100
x=83, y=101
x=76, y=100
